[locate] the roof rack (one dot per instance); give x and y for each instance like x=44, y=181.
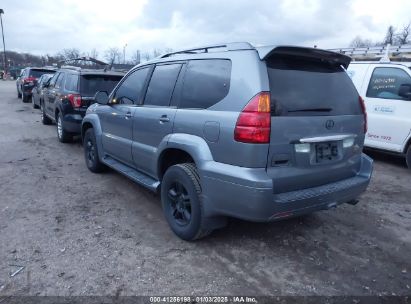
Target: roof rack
x=70, y=67
x=83, y=61
x=205, y=49
x=383, y=53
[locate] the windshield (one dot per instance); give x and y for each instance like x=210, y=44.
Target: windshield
x=91, y=84
x=307, y=87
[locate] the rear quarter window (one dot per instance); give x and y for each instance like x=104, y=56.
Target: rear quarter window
x=302, y=87
x=72, y=83
x=206, y=82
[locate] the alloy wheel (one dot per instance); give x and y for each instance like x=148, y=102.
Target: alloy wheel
x=180, y=203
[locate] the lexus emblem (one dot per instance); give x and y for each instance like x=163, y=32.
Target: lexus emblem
x=329, y=124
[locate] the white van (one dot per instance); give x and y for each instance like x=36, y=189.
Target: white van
x=386, y=89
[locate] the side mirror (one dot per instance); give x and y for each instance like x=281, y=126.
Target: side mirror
x=405, y=91
x=101, y=97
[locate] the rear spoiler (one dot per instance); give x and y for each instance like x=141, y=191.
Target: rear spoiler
x=335, y=58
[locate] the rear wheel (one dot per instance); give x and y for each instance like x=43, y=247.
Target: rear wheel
x=180, y=197
x=25, y=98
x=408, y=157
x=33, y=103
x=44, y=119
x=62, y=134
x=91, y=153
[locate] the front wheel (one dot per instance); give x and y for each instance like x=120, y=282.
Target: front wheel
x=91, y=152
x=180, y=198
x=33, y=103
x=62, y=134
x=44, y=119
x=408, y=157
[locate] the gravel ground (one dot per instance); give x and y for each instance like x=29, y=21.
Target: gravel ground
x=78, y=233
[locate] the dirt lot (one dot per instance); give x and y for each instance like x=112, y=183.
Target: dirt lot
x=78, y=233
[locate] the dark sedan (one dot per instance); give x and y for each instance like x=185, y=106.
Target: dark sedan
x=38, y=90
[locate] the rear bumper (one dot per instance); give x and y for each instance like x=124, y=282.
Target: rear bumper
x=248, y=193
x=72, y=123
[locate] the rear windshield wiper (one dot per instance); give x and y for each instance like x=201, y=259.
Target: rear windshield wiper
x=311, y=110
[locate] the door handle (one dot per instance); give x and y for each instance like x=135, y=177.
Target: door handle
x=128, y=115
x=164, y=119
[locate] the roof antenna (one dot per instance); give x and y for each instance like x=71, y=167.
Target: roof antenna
x=386, y=57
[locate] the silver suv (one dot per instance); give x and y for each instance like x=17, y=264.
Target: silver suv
x=233, y=130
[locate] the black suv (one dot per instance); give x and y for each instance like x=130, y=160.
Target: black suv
x=68, y=94
x=28, y=79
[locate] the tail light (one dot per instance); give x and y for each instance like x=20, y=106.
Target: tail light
x=254, y=122
x=364, y=112
x=75, y=100
x=29, y=79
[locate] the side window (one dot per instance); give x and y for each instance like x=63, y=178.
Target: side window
x=162, y=84
x=54, y=79
x=206, y=82
x=131, y=89
x=71, y=83
x=59, y=81
x=385, y=83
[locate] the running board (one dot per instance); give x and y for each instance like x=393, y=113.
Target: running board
x=133, y=174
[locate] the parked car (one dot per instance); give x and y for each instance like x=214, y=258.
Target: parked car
x=27, y=80
x=386, y=87
x=38, y=90
x=68, y=94
x=260, y=134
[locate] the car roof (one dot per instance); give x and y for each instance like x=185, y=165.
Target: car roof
x=92, y=72
x=403, y=63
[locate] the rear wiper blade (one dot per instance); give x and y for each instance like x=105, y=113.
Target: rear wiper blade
x=312, y=110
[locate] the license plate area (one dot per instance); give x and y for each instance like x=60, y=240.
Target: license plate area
x=327, y=152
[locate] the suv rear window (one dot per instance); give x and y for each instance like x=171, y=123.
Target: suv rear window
x=91, y=84
x=302, y=87
x=206, y=82
x=38, y=73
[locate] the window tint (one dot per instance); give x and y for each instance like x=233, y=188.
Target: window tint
x=162, y=85
x=303, y=87
x=59, y=81
x=37, y=73
x=54, y=79
x=131, y=88
x=206, y=82
x=91, y=84
x=71, y=83
x=385, y=83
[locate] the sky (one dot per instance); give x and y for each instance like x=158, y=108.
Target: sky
x=48, y=26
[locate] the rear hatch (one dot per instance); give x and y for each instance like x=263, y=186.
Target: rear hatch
x=90, y=84
x=317, y=123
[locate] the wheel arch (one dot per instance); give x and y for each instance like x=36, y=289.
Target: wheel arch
x=181, y=148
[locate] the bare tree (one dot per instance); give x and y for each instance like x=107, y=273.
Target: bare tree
x=146, y=56
x=112, y=55
x=93, y=53
x=136, y=58
x=405, y=34
x=390, y=35
x=156, y=53
x=360, y=42
x=69, y=53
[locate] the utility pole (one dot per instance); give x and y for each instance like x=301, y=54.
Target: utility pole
x=4, y=45
x=124, y=53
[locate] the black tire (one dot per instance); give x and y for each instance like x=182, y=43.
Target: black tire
x=33, y=103
x=182, y=206
x=25, y=98
x=91, y=153
x=408, y=157
x=62, y=134
x=44, y=119
x=18, y=94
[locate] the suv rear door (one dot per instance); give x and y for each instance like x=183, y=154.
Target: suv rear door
x=154, y=119
x=317, y=124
